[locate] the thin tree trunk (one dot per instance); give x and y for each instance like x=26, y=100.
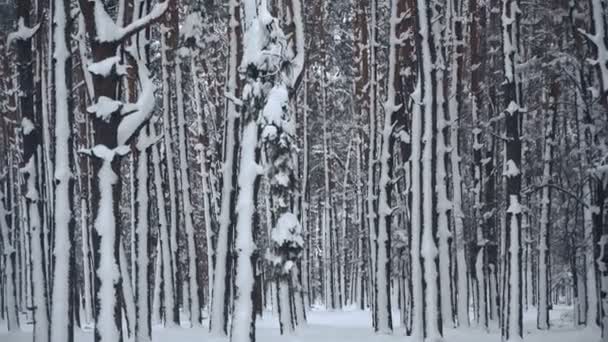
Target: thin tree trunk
x=511, y=303
x=64, y=279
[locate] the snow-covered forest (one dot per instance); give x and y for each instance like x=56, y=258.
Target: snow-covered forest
x=303, y=170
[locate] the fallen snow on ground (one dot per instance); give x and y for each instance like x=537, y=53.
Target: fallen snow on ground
x=354, y=326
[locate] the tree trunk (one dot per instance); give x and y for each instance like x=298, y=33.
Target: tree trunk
x=511, y=303
x=64, y=279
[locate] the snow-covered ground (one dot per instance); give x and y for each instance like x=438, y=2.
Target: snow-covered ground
x=355, y=326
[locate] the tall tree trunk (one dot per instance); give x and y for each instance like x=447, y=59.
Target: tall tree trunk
x=544, y=251
x=32, y=139
x=426, y=204
x=169, y=40
x=194, y=301
x=9, y=256
x=64, y=279
x=511, y=303
x=143, y=266
x=477, y=26
x=113, y=129
x=221, y=278
x=455, y=107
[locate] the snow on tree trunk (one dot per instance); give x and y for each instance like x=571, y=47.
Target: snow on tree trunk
x=392, y=109
x=193, y=37
x=361, y=93
x=243, y=317
x=443, y=203
x=476, y=30
x=194, y=304
x=8, y=262
x=221, y=277
x=287, y=243
x=156, y=315
x=33, y=180
x=455, y=108
x=593, y=215
x=142, y=270
x=108, y=316
x=427, y=102
x=115, y=123
x=545, y=210
x=371, y=199
x=511, y=327
x=417, y=309
x=599, y=39
x=170, y=307
x=304, y=193
x=86, y=264
x=62, y=327
x=278, y=137
x=325, y=218
x=171, y=312
x=168, y=47
x=343, y=241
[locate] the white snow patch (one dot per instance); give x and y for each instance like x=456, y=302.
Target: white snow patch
x=288, y=230
x=23, y=32
x=27, y=126
x=104, y=108
x=106, y=66
x=511, y=170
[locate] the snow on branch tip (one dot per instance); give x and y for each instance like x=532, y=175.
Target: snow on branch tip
x=108, y=31
x=23, y=32
x=104, y=153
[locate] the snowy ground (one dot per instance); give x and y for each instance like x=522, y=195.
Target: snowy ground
x=354, y=326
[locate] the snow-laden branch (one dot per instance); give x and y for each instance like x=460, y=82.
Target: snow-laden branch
x=107, y=66
x=104, y=108
x=104, y=153
x=145, y=141
x=598, y=39
x=27, y=126
x=299, y=58
x=142, y=109
x=23, y=32
x=108, y=31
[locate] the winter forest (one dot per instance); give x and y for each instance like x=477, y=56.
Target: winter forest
x=303, y=170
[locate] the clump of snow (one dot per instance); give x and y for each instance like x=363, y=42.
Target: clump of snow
x=104, y=108
x=27, y=126
x=142, y=109
x=514, y=206
x=269, y=132
x=30, y=170
x=288, y=231
x=107, y=66
x=192, y=25
x=265, y=41
x=512, y=108
x=275, y=110
x=104, y=153
x=109, y=31
x=23, y=32
x=511, y=170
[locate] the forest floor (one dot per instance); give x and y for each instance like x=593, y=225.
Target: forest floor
x=354, y=326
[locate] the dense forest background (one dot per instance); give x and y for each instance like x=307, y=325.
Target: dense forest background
x=441, y=164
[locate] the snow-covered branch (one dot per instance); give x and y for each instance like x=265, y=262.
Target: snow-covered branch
x=104, y=153
x=23, y=32
x=141, y=110
x=108, y=31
